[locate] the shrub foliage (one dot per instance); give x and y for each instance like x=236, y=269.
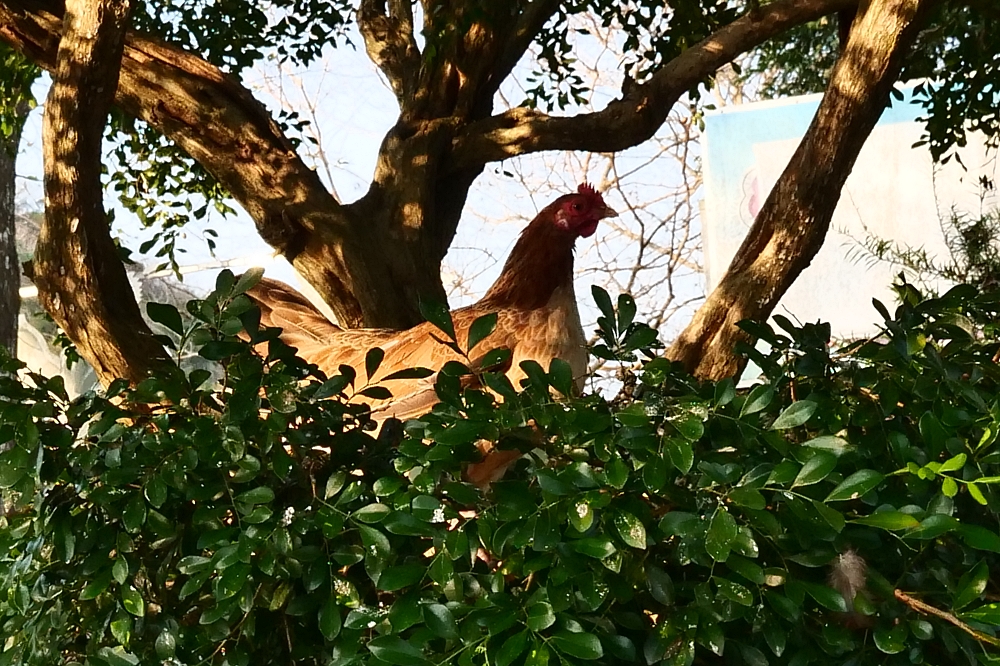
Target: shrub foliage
x=263, y=519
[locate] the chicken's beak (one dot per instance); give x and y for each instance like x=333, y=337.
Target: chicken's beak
x=608, y=212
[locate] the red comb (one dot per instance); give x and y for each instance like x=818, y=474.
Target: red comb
x=587, y=189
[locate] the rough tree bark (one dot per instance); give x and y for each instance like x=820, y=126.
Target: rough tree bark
x=10, y=274
x=444, y=136
x=81, y=281
x=793, y=222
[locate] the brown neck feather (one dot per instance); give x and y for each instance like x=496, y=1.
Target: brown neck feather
x=541, y=262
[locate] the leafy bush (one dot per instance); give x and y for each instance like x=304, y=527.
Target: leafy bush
x=263, y=521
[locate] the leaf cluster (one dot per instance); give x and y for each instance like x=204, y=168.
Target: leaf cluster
x=263, y=519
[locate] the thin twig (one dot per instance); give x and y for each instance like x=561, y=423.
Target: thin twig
x=927, y=609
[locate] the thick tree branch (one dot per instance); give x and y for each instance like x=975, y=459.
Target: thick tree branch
x=793, y=222
x=635, y=118
x=389, y=41
x=75, y=257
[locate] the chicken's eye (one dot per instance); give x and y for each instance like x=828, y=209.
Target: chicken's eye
x=577, y=206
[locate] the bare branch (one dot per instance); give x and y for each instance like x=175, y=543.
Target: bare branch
x=927, y=609
x=75, y=257
x=388, y=35
x=634, y=118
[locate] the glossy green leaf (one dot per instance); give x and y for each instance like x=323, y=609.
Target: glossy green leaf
x=835, y=445
x=118, y=656
x=167, y=315
x=119, y=571
x=774, y=634
x=539, y=616
x=373, y=361
x=261, y=495
x=616, y=473
x=581, y=645
x=538, y=655
x=794, y=415
x=603, y=302
x=249, y=279
x=440, y=620
x=953, y=464
x=630, y=529
x=372, y=513
x=826, y=597
x=760, y=397
x=888, y=520
x=660, y=586
x=711, y=636
x=933, y=526
x=232, y=580
x=681, y=453
x=735, y=592
x=747, y=497
x=988, y=614
x=720, y=536
x=328, y=619
x=155, y=491
x=689, y=426
x=855, y=485
x=891, y=640
x=96, y=586
x=398, y=577
x=980, y=538
x=949, y=487
x=394, y=650
x=971, y=586
x=746, y=568
x=135, y=514
x=817, y=468
x=481, y=327
x=439, y=315
x=976, y=494
x=166, y=644
x=133, y=601
x=512, y=648
x=783, y=606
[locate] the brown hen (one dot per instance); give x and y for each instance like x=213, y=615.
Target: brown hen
x=537, y=317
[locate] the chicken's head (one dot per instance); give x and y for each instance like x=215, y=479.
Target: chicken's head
x=579, y=213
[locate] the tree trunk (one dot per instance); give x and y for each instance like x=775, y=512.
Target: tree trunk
x=10, y=275
x=77, y=268
x=792, y=224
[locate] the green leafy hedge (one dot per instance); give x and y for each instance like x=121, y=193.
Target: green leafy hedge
x=263, y=521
